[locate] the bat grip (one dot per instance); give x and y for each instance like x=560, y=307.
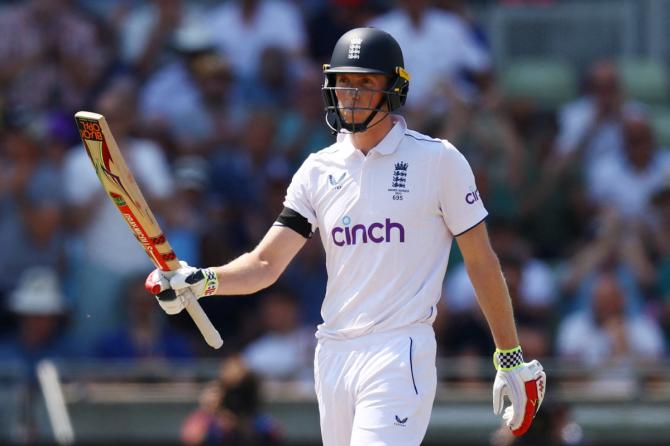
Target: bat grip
x=207, y=329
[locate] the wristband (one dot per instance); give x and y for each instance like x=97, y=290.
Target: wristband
x=211, y=282
x=208, y=275
x=508, y=359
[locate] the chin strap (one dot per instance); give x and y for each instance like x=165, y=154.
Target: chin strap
x=340, y=123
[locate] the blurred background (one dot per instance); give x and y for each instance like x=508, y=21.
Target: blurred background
x=562, y=108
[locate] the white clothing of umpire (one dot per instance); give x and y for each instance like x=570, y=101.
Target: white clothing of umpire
x=388, y=202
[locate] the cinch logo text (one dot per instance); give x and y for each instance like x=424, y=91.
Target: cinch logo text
x=375, y=233
x=472, y=197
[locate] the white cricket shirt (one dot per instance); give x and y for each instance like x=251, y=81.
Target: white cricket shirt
x=386, y=221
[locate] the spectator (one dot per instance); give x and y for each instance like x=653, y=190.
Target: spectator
x=534, y=288
x=51, y=56
x=148, y=32
x=533, y=310
x=285, y=348
x=659, y=248
x=203, y=110
x=300, y=130
x=627, y=183
x=250, y=165
x=436, y=70
x=242, y=29
x=39, y=305
x=552, y=202
x=146, y=335
x=272, y=84
x=110, y=251
x=615, y=246
x=186, y=219
x=496, y=151
x=605, y=333
x=531, y=285
x=462, y=9
x=229, y=412
x=591, y=127
x=331, y=20
x=31, y=208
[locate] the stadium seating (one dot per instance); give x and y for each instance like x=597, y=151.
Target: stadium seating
x=660, y=118
x=645, y=80
x=547, y=82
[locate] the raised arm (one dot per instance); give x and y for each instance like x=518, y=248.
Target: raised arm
x=261, y=267
x=247, y=274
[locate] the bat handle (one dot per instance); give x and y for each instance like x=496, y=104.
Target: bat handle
x=211, y=334
x=207, y=329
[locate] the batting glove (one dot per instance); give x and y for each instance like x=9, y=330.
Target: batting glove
x=523, y=383
x=175, y=289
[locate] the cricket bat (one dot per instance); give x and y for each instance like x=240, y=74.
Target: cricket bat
x=122, y=189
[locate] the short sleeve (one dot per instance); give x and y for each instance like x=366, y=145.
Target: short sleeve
x=298, y=194
x=459, y=199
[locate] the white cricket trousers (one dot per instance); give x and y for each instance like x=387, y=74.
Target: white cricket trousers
x=377, y=389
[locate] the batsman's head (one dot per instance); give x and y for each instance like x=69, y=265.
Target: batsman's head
x=365, y=80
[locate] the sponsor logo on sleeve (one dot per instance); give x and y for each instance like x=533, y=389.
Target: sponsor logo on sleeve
x=473, y=196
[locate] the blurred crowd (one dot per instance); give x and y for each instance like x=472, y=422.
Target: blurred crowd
x=216, y=104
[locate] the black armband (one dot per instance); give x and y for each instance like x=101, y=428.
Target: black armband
x=291, y=219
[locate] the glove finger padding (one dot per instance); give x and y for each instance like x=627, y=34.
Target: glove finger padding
x=173, y=302
x=172, y=299
x=507, y=386
x=499, y=393
x=179, y=280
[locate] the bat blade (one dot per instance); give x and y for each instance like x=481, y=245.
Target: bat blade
x=121, y=187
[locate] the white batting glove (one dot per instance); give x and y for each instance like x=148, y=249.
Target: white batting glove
x=523, y=383
x=175, y=289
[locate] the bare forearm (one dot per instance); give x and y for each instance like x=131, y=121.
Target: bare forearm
x=244, y=275
x=261, y=267
x=495, y=302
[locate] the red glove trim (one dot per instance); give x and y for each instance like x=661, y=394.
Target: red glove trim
x=531, y=407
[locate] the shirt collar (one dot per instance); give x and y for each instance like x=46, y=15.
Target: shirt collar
x=388, y=145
